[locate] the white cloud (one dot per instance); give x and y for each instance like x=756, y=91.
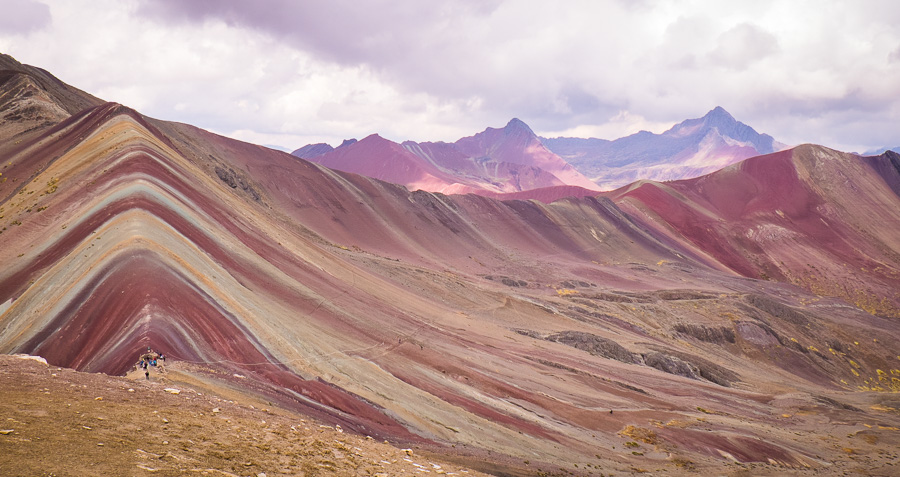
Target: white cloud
x=23, y=16
x=283, y=71
x=894, y=56
x=623, y=123
x=742, y=46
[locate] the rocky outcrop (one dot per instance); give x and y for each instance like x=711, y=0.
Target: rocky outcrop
x=235, y=180
x=689, y=366
x=593, y=344
x=709, y=334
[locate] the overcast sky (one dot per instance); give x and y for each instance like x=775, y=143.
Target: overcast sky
x=288, y=73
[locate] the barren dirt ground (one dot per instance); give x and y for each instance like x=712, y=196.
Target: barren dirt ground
x=59, y=422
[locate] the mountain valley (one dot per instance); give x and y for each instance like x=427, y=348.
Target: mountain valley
x=741, y=322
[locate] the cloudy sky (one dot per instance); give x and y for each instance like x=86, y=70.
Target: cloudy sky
x=288, y=73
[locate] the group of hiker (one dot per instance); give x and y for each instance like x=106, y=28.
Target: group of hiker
x=151, y=358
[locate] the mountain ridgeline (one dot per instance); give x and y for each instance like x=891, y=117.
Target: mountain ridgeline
x=495, y=161
x=513, y=160
x=744, y=316
x=689, y=149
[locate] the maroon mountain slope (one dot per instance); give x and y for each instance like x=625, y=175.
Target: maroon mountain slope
x=545, y=194
x=815, y=217
x=508, y=329
x=379, y=158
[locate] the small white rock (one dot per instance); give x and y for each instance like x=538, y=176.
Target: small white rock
x=33, y=358
x=171, y=390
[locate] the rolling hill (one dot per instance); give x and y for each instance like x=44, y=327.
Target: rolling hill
x=741, y=321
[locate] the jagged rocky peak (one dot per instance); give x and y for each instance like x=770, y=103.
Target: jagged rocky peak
x=718, y=115
x=726, y=126
x=717, y=118
x=517, y=125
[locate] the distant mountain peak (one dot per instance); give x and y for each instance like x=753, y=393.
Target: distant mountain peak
x=718, y=114
x=313, y=150
x=516, y=124
x=690, y=148
x=880, y=151
x=347, y=142
x=725, y=125
x=717, y=117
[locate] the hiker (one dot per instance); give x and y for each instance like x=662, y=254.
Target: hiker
x=151, y=358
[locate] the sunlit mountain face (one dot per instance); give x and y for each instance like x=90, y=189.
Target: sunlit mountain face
x=748, y=315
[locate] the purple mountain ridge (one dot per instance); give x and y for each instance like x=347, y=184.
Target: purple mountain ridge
x=689, y=149
x=511, y=159
x=312, y=150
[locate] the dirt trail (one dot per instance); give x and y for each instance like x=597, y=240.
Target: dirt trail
x=56, y=421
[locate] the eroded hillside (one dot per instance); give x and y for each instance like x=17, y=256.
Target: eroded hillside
x=634, y=331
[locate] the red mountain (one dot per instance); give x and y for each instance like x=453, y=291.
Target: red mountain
x=517, y=144
x=505, y=160
x=629, y=331
x=379, y=158
x=795, y=216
